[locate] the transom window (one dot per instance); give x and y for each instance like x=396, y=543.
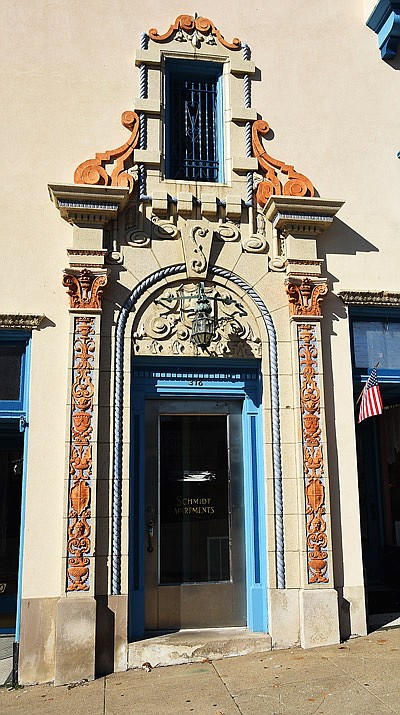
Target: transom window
x=194, y=127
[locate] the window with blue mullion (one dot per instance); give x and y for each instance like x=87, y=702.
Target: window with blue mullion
x=12, y=372
x=194, y=121
x=376, y=339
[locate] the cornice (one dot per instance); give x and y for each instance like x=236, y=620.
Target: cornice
x=88, y=205
x=370, y=297
x=20, y=321
x=301, y=215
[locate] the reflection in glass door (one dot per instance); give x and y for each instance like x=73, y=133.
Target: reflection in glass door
x=194, y=515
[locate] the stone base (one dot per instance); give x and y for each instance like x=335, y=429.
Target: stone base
x=319, y=617
x=37, y=640
x=119, y=606
x=75, y=640
x=284, y=617
x=193, y=646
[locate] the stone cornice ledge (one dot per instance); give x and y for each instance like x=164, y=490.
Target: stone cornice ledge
x=84, y=205
x=20, y=321
x=301, y=215
x=370, y=297
x=385, y=21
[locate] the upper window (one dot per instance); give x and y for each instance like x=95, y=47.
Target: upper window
x=12, y=370
x=194, y=125
x=376, y=339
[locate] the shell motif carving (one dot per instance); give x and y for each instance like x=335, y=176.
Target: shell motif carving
x=164, y=327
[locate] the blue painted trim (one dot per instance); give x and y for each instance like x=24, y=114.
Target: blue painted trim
x=23, y=493
x=233, y=379
x=6, y=415
x=385, y=22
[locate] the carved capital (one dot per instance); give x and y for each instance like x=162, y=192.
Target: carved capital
x=85, y=289
x=305, y=299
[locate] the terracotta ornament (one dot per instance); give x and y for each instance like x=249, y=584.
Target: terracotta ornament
x=80, y=462
x=313, y=461
x=85, y=290
x=306, y=298
x=93, y=171
x=296, y=185
x=195, y=30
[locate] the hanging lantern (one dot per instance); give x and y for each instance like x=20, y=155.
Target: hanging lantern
x=203, y=326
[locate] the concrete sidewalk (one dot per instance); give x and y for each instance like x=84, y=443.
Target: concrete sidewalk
x=360, y=677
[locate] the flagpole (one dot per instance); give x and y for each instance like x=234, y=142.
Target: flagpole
x=360, y=395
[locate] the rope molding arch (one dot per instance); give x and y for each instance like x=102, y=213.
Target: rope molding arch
x=134, y=296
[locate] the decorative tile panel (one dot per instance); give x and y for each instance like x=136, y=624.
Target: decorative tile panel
x=313, y=459
x=80, y=462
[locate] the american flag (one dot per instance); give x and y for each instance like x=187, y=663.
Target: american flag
x=371, y=401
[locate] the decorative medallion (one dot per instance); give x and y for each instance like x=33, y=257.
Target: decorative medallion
x=194, y=30
x=305, y=299
x=313, y=461
x=164, y=328
x=296, y=184
x=79, y=515
x=86, y=289
x=93, y=171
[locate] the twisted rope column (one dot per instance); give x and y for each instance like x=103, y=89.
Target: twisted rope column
x=248, y=143
x=143, y=94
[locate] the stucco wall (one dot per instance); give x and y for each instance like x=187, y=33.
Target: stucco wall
x=68, y=73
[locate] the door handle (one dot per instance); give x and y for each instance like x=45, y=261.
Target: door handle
x=150, y=535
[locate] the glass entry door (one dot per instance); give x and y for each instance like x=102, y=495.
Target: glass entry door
x=194, y=520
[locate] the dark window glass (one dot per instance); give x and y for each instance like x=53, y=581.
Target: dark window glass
x=194, y=511
x=376, y=341
x=193, y=123
x=10, y=371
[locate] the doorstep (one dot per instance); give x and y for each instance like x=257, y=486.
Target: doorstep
x=194, y=646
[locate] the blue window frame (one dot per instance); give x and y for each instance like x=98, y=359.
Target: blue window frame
x=14, y=405
x=194, y=121
x=13, y=348
x=375, y=335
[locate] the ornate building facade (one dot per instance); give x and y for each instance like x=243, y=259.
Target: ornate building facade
x=187, y=323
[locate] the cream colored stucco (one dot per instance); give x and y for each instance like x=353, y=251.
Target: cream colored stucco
x=68, y=72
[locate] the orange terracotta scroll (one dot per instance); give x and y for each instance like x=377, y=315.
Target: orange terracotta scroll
x=297, y=184
x=192, y=26
x=93, y=171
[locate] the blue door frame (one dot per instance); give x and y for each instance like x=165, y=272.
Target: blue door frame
x=13, y=419
x=200, y=379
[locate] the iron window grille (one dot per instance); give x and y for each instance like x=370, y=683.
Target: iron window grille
x=194, y=126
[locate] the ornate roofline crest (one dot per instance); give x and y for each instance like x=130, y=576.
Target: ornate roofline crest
x=195, y=30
